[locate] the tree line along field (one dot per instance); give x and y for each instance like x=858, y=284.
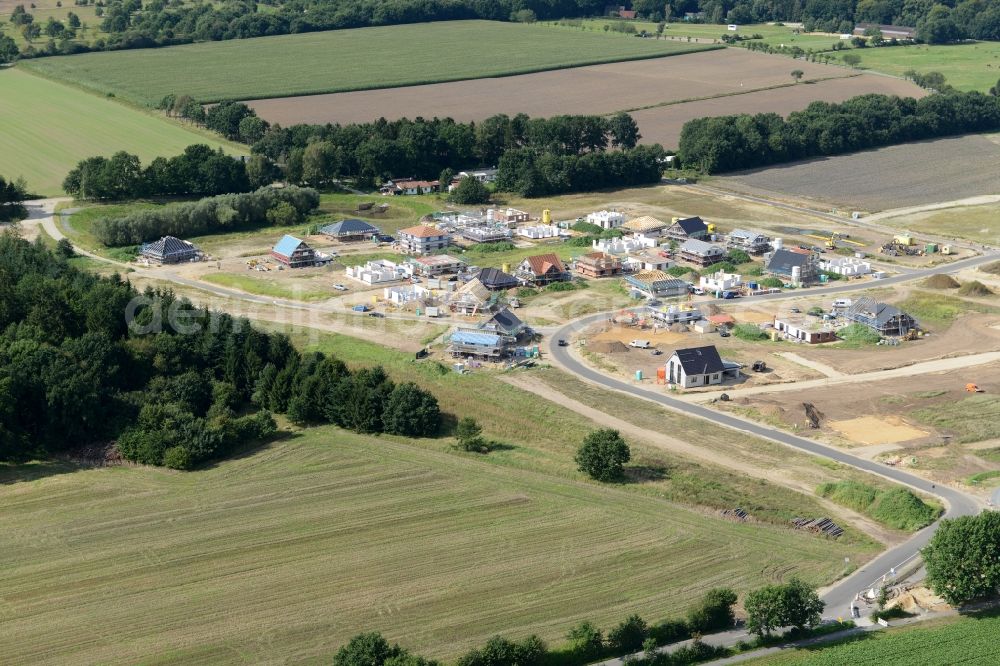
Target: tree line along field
x=291, y=549
x=49, y=127
x=343, y=60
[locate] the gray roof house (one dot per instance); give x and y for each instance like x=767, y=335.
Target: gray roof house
x=752, y=242
x=800, y=267
x=688, y=227
x=350, y=229
x=495, y=279
x=695, y=366
x=882, y=318
x=504, y=322
x=169, y=250
x=701, y=253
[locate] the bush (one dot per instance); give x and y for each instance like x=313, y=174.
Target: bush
x=750, y=332
x=714, y=613
x=500, y=651
x=898, y=507
x=858, y=334
x=177, y=457
x=629, y=635
x=561, y=286
x=772, y=283
x=469, y=191
x=603, y=455
x=737, y=256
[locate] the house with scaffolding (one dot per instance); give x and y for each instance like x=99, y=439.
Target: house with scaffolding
x=886, y=320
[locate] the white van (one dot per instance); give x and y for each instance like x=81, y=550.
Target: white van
x=639, y=344
x=842, y=303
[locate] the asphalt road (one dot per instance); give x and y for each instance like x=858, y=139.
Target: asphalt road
x=838, y=597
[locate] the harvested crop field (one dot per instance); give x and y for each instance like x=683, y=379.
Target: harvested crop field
x=906, y=175
x=622, y=86
x=340, y=60
x=663, y=124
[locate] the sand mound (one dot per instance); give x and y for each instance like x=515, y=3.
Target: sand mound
x=713, y=309
x=975, y=288
x=992, y=269
x=678, y=328
x=941, y=282
x=607, y=346
x=773, y=411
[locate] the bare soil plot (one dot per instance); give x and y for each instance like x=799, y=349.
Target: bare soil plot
x=874, y=430
x=905, y=175
x=663, y=124
x=595, y=89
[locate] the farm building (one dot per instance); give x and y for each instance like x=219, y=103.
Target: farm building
x=687, y=227
x=888, y=31
x=720, y=281
x=701, y=253
x=646, y=225
x=350, y=230
x=606, y=219
x=798, y=267
x=435, y=264
x=169, y=250
x=882, y=318
x=423, y=239
x=646, y=261
x=542, y=269
x=811, y=330
x=482, y=175
x=751, y=242
x=295, y=253
x=495, y=279
x=471, y=298
x=492, y=234
x=598, y=265
x=378, y=272
x=410, y=187
x=695, y=366
x=846, y=266
x=657, y=284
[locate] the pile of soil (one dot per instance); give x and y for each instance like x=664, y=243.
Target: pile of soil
x=992, y=269
x=941, y=281
x=678, y=328
x=607, y=346
x=712, y=309
x=975, y=288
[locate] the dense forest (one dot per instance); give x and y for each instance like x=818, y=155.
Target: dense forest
x=728, y=143
x=87, y=360
x=133, y=24
x=12, y=196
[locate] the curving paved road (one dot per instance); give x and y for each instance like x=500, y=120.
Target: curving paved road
x=839, y=596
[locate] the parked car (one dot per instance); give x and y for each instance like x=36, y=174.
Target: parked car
x=723, y=333
x=563, y=343
x=656, y=352
x=377, y=315
x=795, y=310
x=340, y=287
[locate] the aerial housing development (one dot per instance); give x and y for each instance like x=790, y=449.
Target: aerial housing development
x=507, y=333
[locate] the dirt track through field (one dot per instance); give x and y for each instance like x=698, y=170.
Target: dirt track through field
x=596, y=89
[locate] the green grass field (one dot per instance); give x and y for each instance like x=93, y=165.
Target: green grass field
x=49, y=127
x=972, y=66
x=969, y=640
x=342, y=60
x=975, y=223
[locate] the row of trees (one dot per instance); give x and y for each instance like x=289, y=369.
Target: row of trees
x=728, y=143
x=199, y=171
x=792, y=604
x=87, y=359
x=225, y=212
x=12, y=196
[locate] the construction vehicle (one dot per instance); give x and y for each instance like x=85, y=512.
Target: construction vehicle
x=835, y=237
x=972, y=388
x=759, y=366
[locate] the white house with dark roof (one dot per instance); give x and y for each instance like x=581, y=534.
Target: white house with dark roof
x=695, y=366
x=751, y=242
x=423, y=239
x=797, y=266
x=687, y=227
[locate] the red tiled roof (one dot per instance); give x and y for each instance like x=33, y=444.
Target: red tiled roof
x=542, y=264
x=422, y=231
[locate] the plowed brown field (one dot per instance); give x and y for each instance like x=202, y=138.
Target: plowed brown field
x=728, y=75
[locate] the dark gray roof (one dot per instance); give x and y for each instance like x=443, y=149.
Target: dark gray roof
x=168, y=246
x=692, y=225
x=869, y=308
x=784, y=260
x=350, y=227
x=504, y=321
x=700, y=360
x=494, y=278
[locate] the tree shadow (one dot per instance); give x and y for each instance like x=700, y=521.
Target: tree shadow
x=36, y=470
x=249, y=449
x=645, y=471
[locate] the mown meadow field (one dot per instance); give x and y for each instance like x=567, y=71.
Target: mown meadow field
x=49, y=127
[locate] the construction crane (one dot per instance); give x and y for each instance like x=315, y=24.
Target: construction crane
x=835, y=237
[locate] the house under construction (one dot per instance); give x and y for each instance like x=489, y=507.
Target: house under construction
x=884, y=319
